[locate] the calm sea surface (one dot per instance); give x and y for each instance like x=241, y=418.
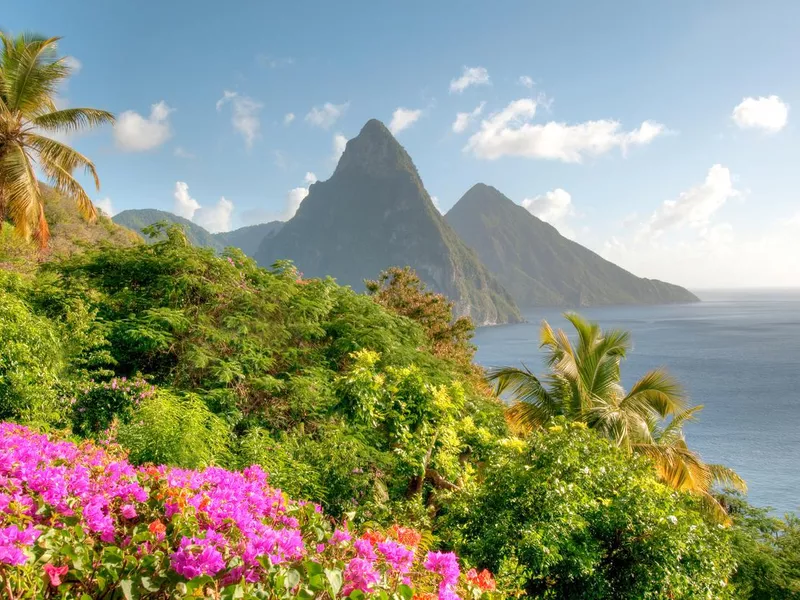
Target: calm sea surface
x=737, y=353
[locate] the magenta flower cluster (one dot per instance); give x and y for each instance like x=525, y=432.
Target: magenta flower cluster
x=230, y=526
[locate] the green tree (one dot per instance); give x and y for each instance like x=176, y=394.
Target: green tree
x=30, y=75
x=30, y=364
x=584, y=385
x=403, y=292
x=567, y=514
x=766, y=550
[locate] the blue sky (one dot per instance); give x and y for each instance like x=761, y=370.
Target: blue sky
x=661, y=135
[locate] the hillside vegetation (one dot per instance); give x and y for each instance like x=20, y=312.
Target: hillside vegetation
x=70, y=233
x=367, y=405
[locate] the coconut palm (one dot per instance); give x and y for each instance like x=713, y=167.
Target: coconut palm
x=584, y=384
x=30, y=75
x=682, y=468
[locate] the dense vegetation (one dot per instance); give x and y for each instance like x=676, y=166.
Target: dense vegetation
x=179, y=422
x=188, y=358
x=539, y=266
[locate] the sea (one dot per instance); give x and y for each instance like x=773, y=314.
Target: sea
x=737, y=353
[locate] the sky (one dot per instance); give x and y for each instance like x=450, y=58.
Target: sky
x=662, y=135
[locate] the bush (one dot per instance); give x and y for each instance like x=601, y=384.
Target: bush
x=87, y=524
x=99, y=403
x=30, y=364
x=766, y=550
x=565, y=514
x=172, y=429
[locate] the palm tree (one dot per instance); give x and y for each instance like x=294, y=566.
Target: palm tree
x=682, y=468
x=584, y=384
x=30, y=75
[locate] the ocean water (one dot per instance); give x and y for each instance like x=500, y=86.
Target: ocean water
x=737, y=353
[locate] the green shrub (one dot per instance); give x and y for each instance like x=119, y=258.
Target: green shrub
x=172, y=429
x=30, y=364
x=99, y=403
x=766, y=550
x=566, y=514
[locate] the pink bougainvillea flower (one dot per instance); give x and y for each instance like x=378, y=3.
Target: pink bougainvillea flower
x=54, y=573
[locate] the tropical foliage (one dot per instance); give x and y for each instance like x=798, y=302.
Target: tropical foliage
x=566, y=514
x=84, y=522
x=30, y=75
x=584, y=384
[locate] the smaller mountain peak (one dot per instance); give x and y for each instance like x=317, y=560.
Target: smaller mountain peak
x=481, y=195
x=375, y=150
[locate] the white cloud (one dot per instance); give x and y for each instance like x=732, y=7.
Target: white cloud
x=74, y=64
x=435, y=200
x=554, y=207
x=185, y=206
x=339, y=145
x=550, y=207
x=105, y=205
x=685, y=241
x=510, y=133
x=296, y=195
x=182, y=152
x=288, y=118
x=215, y=218
x=403, y=118
x=135, y=133
x=525, y=81
x=470, y=76
x=463, y=119
x=767, y=113
x=717, y=256
x=694, y=207
x=326, y=115
x=245, y=117
x=293, y=200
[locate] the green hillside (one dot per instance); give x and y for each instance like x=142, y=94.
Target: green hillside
x=70, y=233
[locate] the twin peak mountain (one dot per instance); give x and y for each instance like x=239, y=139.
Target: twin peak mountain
x=489, y=255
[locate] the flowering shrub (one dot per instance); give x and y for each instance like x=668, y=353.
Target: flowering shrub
x=98, y=403
x=81, y=521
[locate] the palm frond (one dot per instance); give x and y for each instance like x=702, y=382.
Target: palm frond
x=657, y=390
x=54, y=153
x=63, y=181
x=21, y=189
x=33, y=73
x=534, y=404
x=673, y=432
x=72, y=119
x=726, y=477
x=714, y=510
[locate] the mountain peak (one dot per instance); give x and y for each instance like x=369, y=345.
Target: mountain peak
x=538, y=265
x=375, y=150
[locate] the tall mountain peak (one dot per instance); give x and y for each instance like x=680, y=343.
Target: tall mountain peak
x=376, y=151
x=374, y=213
